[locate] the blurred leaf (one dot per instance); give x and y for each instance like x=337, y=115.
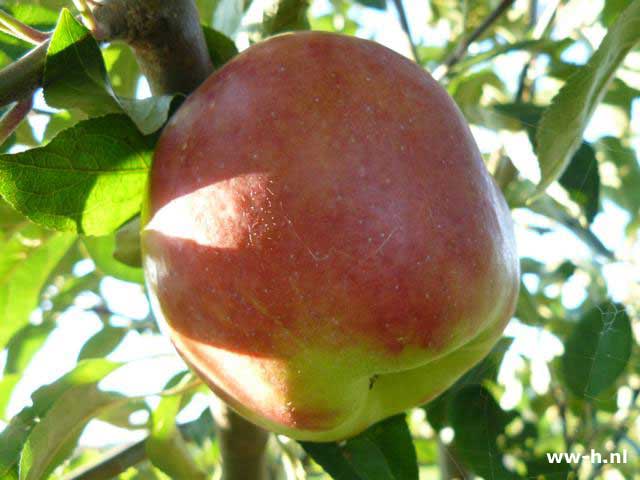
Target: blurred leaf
x=228, y=15
x=285, y=16
x=385, y=451
x=562, y=125
x=478, y=420
x=102, y=343
x=14, y=436
x=40, y=17
x=29, y=255
x=487, y=369
x=627, y=193
x=221, y=48
x=7, y=384
x=24, y=345
x=122, y=67
x=611, y=10
x=621, y=95
x=120, y=414
x=379, y=4
x=165, y=446
x=89, y=179
x=468, y=91
x=70, y=288
x=582, y=180
x=598, y=350
x=54, y=437
x=551, y=47
x=102, y=251
x=206, y=9
x=528, y=114
x=75, y=75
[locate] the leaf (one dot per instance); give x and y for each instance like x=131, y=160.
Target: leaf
x=478, y=420
x=285, y=16
x=102, y=343
x=385, y=451
x=149, y=114
x=438, y=409
x=165, y=446
x=55, y=436
x=7, y=384
x=29, y=255
x=563, y=124
x=598, y=350
x=75, y=75
x=102, y=251
x=128, y=249
x=221, y=48
x=627, y=194
x=89, y=179
x=24, y=345
x=582, y=180
x=14, y=436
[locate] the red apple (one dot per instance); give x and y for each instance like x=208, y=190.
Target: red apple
x=322, y=238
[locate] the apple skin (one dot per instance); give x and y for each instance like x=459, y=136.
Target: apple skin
x=322, y=240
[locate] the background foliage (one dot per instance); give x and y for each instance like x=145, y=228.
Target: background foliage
x=551, y=90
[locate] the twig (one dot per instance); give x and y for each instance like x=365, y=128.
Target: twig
x=462, y=48
x=14, y=27
x=23, y=76
x=405, y=27
x=121, y=458
x=87, y=15
x=10, y=120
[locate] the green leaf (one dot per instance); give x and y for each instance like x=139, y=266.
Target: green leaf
x=102, y=343
x=285, y=16
x=24, y=345
x=627, y=194
x=120, y=415
x=55, y=436
x=438, y=409
x=29, y=256
x=7, y=384
x=75, y=75
x=379, y=4
x=478, y=420
x=102, y=251
x=128, y=248
x=385, y=451
x=611, y=10
x=598, y=350
x=582, y=180
x=165, y=446
x=37, y=16
x=221, y=48
x=89, y=179
x=15, y=434
x=563, y=124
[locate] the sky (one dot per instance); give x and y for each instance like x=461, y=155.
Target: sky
x=147, y=375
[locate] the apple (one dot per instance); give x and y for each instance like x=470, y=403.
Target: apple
x=321, y=238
